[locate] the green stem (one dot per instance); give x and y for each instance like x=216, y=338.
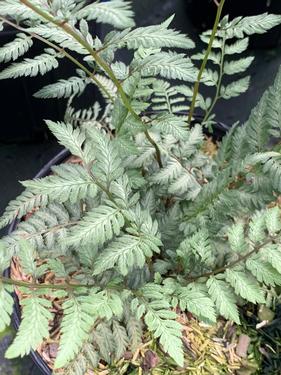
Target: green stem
x=204, y=62
x=218, y=90
x=232, y=264
x=102, y=64
x=66, y=286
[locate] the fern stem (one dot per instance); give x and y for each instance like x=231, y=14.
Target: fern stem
x=205, y=60
x=218, y=90
x=24, y=284
x=232, y=264
x=100, y=62
x=52, y=229
x=63, y=52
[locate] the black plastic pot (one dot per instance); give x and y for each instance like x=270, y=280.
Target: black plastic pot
x=203, y=12
x=220, y=130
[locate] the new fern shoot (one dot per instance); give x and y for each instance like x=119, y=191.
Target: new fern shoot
x=146, y=223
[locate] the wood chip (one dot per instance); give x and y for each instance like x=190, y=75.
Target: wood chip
x=242, y=346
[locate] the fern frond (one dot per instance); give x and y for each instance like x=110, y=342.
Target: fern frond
x=169, y=65
x=172, y=171
x=263, y=272
x=127, y=252
x=64, y=88
x=238, y=66
x=156, y=36
x=108, y=166
x=121, y=339
x=163, y=325
x=18, y=47
x=273, y=113
x=26, y=202
x=75, y=327
x=106, y=305
x=97, y=226
x=117, y=13
x=104, y=341
x=235, y=88
x=134, y=328
x=239, y=46
x=272, y=168
x=42, y=229
x=32, y=67
x=245, y=285
x=34, y=326
x=70, y=182
x=57, y=35
x=6, y=306
x=170, y=124
x=224, y=299
x=240, y=27
x=72, y=139
x=198, y=303
x=13, y=8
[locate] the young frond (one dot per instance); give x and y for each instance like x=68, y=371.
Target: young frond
x=117, y=13
x=32, y=67
x=69, y=137
x=18, y=47
x=108, y=164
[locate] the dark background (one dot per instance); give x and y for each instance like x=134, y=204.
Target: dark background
x=25, y=146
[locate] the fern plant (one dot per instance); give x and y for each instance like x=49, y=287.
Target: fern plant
x=147, y=222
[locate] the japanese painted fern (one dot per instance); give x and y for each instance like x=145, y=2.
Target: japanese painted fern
x=147, y=221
